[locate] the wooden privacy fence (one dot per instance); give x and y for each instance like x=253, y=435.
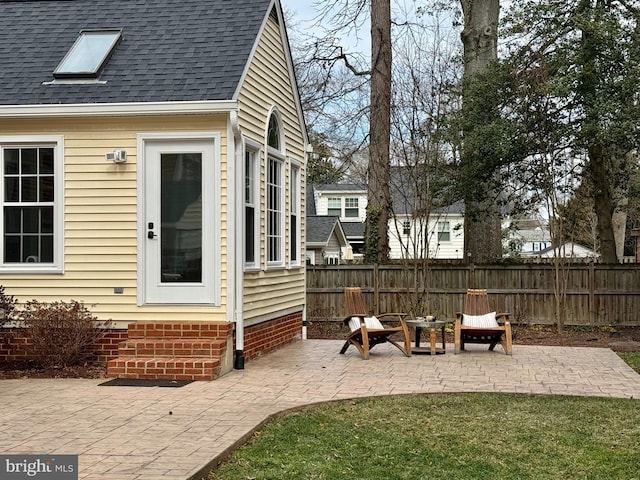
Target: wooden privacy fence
x=596, y=294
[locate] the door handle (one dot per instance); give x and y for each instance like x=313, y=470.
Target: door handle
x=151, y=235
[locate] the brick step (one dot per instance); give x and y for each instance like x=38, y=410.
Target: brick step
x=164, y=368
x=171, y=348
x=151, y=330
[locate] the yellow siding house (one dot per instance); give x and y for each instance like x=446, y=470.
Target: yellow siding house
x=153, y=164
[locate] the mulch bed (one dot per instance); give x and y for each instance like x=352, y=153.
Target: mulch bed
x=619, y=339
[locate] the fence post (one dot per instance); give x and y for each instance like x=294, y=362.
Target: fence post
x=471, y=276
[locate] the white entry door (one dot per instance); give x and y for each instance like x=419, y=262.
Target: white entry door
x=178, y=221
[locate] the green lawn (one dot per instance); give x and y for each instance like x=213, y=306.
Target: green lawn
x=448, y=436
x=632, y=358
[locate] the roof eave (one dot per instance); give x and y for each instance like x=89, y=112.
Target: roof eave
x=119, y=109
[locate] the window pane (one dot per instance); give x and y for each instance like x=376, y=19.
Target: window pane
x=31, y=252
x=29, y=161
x=31, y=220
x=11, y=189
x=181, y=215
x=294, y=238
x=12, y=219
x=273, y=133
x=46, y=217
x=12, y=249
x=46, y=161
x=88, y=52
x=46, y=189
x=46, y=252
x=11, y=161
x=249, y=256
x=248, y=177
x=29, y=189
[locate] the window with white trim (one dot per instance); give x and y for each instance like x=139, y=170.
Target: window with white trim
x=294, y=215
x=334, y=207
x=351, y=208
x=31, y=207
x=251, y=207
x=406, y=227
x=275, y=194
x=444, y=232
x=275, y=212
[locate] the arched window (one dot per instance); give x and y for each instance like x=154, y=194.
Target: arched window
x=273, y=132
x=275, y=176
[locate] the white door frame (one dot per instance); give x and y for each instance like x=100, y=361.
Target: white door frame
x=209, y=291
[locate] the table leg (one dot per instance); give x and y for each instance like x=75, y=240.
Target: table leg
x=418, y=333
x=444, y=345
x=432, y=340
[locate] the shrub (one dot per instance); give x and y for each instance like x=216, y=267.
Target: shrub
x=60, y=333
x=8, y=307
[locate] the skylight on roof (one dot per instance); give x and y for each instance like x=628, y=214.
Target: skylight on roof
x=88, y=54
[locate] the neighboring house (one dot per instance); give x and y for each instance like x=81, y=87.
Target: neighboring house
x=348, y=202
x=567, y=250
x=526, y=242
x=441, y=236
x=326, y=241
x=153, y=164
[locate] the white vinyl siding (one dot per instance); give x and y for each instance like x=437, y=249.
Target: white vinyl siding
x=99, y=219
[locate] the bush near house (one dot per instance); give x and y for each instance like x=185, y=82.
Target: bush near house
x=60, y=333
x=7, y=307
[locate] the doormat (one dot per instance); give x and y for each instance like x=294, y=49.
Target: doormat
x=144, y=382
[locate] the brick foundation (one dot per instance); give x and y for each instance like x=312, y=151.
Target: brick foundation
x=268, y=336
x=147, y=341
x=15, y=347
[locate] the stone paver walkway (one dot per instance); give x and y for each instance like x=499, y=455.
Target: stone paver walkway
x=148, y=433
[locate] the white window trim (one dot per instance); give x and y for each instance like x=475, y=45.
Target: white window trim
x=280, y=156
x=250, y=145
x=57, y=142
x=294, y=208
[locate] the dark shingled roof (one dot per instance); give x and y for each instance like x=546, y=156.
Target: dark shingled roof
x=320, y=228
x=171, y=50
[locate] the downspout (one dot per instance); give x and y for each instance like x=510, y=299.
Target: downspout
x=236, y=226
x=308, y=150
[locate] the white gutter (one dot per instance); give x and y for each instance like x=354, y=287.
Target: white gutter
x=235, y=227
x=118, y=109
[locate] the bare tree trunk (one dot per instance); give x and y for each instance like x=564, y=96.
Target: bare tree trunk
x=482, y=229
x=379, y=198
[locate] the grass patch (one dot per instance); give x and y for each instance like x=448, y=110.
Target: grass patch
x=444, y=436
x=632, y=359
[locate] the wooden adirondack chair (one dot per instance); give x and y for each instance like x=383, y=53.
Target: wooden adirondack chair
x=366, y=330
x=479, y=324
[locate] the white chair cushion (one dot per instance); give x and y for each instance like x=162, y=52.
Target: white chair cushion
x=488, y=320
x=370, y=322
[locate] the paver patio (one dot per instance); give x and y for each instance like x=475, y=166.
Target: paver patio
x=148, y=433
